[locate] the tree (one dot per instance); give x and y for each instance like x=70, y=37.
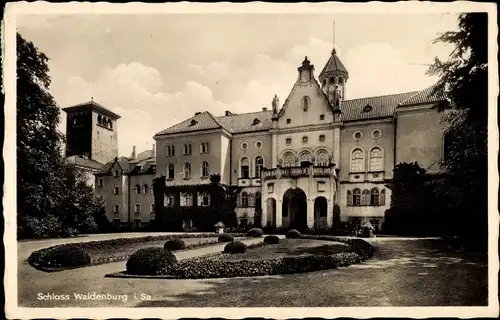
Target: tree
x=464, y=80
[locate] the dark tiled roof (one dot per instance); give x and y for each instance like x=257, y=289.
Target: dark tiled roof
x=425, y=96
x=143, y=166
x=381, y=106
x=94, y=105
x=122, y=161
x=333, y=64
x=202, y=121
x=247, y=122
x=85, y=163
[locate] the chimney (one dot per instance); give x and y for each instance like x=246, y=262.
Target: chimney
x=154, y=150
x=264, y=109
x=133, y=152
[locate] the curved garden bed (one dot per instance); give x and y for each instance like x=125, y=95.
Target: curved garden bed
x=77, y=255
x=271, y=259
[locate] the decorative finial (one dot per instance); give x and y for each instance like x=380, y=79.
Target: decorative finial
x=92, y=98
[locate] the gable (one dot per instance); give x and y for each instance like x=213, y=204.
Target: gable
x=305, y=94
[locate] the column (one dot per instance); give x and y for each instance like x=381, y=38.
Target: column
x=263, y=217
x=336, y=147
x=310, y=213
x=274, y=148
x=279, y=213
x=329, y=212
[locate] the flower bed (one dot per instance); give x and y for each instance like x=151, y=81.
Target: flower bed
x=107, y=251
x=214, y=266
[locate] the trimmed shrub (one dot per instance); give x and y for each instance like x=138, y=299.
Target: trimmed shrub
x=174, y=244
x=226, y=238
x=62, y=256
x=271, y=239
x=293, y=234
x=150, y=261
x=255, y=233
x=235, y=247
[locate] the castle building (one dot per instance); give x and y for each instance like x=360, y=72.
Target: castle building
x=297, y=161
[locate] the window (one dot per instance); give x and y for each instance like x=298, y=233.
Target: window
x=152, y=208
x=251, y=200
x=169, y=200
x=187, y=170
x=322, y=138
x=186, y=199
x=255, y=122
x=288, y=141
x=288, y=121
x=245, y=168
x=138, y=189
x=259, y=164
x=137, y=207
x=258, y=144
x=117, y=173
x=171, y=172
x=376, y=159
x=304, y=140
x=204, y=199
x=244, y=199
x=305, y=157
x=99, y=119
x=170, y=151
x=115, y=190
x=356, y=197
x=244, y=146
x=375, y=197
x=187, y=149
x=258, y=200
x=116, y=208
x=365, y=198
x=382, y=197
x=357, y=135
x=270, y=187
x=205, y=170
x=100, y=182
x=322, y=159
x=376, y=134
x=205, y=147
x=367, y=108
x=289, y=160
x=145, y=189
x=305, y=103
x=321, y=117
x=357, y=161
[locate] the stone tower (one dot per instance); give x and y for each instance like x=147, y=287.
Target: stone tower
x=333, y=79
x=91, y=132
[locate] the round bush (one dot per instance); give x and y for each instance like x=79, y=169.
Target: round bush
x=235, y=247
x=150, y=261
x=272, y=239
x=226, y=238
x=293, y=234
x=68, y=255
x=255, y=233
x=174, y=244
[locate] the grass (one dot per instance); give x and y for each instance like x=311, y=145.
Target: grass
x=291, y=247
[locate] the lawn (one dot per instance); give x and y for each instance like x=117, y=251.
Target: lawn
x=291, y=247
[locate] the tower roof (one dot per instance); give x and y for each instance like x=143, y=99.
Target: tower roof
x=93, y=106
x=333, y=65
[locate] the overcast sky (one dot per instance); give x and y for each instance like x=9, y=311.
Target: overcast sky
x=157, y=70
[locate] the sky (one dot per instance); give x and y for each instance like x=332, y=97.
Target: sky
x=157, y=70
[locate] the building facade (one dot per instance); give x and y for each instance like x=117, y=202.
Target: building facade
x=295, y=162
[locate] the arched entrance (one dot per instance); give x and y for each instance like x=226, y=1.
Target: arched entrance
x=295, y=209
x=271, y=212
x=320, y=209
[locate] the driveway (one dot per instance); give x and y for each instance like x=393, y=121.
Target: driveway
x=403, y=272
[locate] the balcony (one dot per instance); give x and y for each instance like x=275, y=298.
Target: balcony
x=298, y=172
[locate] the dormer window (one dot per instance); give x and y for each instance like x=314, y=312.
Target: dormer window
x=288, y=121
x=255, y=122
x=367, y=108
x=193, y=122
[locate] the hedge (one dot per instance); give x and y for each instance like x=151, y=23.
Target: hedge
x=235, y=247
x=225, y=237
x=66, y=255
x=150, y=261
x=293, y=234
x=272, y=239
x=255, y=233
x=214, y=267
x=174, y=244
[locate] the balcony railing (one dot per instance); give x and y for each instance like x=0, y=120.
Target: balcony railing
x=297, y=172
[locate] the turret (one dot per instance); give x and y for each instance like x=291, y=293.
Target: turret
x=333, y=79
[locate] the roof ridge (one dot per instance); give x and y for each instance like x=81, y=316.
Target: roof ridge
x=386, y=95
x=216, y=121
x=242, y=114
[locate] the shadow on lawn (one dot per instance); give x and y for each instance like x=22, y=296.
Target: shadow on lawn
x=415, y=273
x=319, y=250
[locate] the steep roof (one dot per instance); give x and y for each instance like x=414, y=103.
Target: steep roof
x=84, y=163
x=94, y=106
x=143, y=166
x=247, y=122
x=333, y=64
x=123, y=162
x=373, y=107
x=425, y=96
x=200, y=121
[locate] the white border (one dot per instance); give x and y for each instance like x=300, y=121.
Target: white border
x=9, y=59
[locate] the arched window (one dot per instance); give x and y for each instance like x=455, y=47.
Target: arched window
x=365, y=198
x=205, y=169
x=110, y=124
x=382, y=197
x=244, y=199
x=138, y=189
x=186, y=199
x=204, y=199
x=169, y=200
x=322, y=159
x=305, y=157
x=289, y=159
x=357, y=161
x=259, y=163
x=376, y=159
x=245, y=168
x=145, y=189
x=375, y=197
x=171, y=171
x=251, y=200
x=187, y=170
x=305, y=103
x=99, y=119
x=356, y=197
